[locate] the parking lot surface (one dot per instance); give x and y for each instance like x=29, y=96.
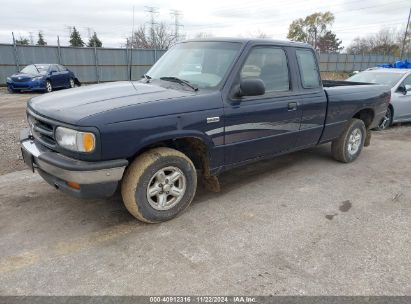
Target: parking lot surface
x=300, y=224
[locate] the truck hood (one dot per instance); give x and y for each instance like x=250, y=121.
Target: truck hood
x=71, y=106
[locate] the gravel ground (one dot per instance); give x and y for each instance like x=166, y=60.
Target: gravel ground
x=12, y=120
x=300, y=224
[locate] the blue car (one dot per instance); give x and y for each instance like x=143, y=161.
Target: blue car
x=42, y=77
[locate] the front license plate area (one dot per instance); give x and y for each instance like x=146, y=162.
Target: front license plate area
x=28, y=159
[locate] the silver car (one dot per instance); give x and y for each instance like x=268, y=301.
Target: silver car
x=399, y=80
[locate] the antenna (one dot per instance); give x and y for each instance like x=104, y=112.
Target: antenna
x=177, y=14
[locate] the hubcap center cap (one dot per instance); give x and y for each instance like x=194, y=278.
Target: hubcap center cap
x=166, y=188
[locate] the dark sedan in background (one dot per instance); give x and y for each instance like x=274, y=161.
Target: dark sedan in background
x=42, y=77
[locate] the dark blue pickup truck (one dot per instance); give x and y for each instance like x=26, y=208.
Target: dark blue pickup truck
x=206, y=106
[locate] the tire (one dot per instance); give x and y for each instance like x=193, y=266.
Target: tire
x=386, y=122
x=10, y=90
x=49, y=87
x=72, y=83
x=144, y=174
x=349, y=145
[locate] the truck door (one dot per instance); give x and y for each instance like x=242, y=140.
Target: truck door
x=264, y=125
x=313, y=99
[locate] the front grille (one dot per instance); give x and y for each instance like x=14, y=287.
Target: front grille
x=21, y=79
x=42, y=130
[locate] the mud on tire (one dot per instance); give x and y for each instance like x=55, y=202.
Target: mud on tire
x=142, y=175
x=348, y=146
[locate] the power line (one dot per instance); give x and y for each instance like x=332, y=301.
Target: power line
x=286, y=18
x=153, y=11
x=177, y=14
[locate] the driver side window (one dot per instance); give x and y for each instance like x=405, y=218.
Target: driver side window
x=270, y=65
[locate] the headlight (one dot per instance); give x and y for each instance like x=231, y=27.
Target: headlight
x=75, y=140
x=37, y=78
x=9, y=79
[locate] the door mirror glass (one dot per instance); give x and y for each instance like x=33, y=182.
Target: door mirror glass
x=401, y=89
x=251, y=87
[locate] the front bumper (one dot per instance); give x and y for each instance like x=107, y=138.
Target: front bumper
x=32, y=85
x=96, y=179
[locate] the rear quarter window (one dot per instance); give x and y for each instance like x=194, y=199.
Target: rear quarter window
x=310, y=76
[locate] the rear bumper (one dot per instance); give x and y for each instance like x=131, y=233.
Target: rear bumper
x=95, y=179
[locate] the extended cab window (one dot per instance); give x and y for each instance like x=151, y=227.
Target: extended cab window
x=270, y=65
x=310, y=77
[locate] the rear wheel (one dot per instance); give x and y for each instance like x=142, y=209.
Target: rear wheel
x=72, y=83
x=49, y=87
x=386, y=122
x=159, y=185
x=348, y=146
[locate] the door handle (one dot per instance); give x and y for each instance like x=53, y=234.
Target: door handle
x=292, y=106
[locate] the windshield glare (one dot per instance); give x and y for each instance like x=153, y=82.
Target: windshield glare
x=203, y=64
x=388, y=78
x=35, y=69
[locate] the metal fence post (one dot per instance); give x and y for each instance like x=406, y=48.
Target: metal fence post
x=16, y=54
x=96, y=64
x=59, y=51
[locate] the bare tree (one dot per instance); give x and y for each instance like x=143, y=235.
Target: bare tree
x=158, y=36
x=386, y=41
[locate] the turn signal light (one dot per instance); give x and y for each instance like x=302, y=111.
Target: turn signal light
x=88, y=142
x=73, y=185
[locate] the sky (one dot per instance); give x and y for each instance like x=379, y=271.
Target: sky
x=113, y=19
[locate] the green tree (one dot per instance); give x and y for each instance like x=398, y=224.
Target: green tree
x=94, y=41
x=312, y=28
x=41, y=40
x=329, y=43
x=23, y=41
x=75, y=38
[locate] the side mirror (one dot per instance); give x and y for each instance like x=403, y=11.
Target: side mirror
x=251, y=87
x=402, y=89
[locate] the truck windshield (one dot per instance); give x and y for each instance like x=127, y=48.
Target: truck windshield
x=387, y=78
x=203, y=64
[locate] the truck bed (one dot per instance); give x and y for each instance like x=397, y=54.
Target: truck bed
x=345, y=97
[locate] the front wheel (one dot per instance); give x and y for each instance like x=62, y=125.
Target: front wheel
x=158, y=185
x=348, y=146
x=386, y=121
x=11, y=90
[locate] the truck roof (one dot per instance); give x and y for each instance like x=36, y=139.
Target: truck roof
x=253, y=40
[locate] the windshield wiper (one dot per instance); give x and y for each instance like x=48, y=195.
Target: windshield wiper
x=180, y=81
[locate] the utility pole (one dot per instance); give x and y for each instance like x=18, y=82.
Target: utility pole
x=405, y=35
x=31, y=38
x=153, y=11
x=16, y=56
x=177, y=14
x=130, y=75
